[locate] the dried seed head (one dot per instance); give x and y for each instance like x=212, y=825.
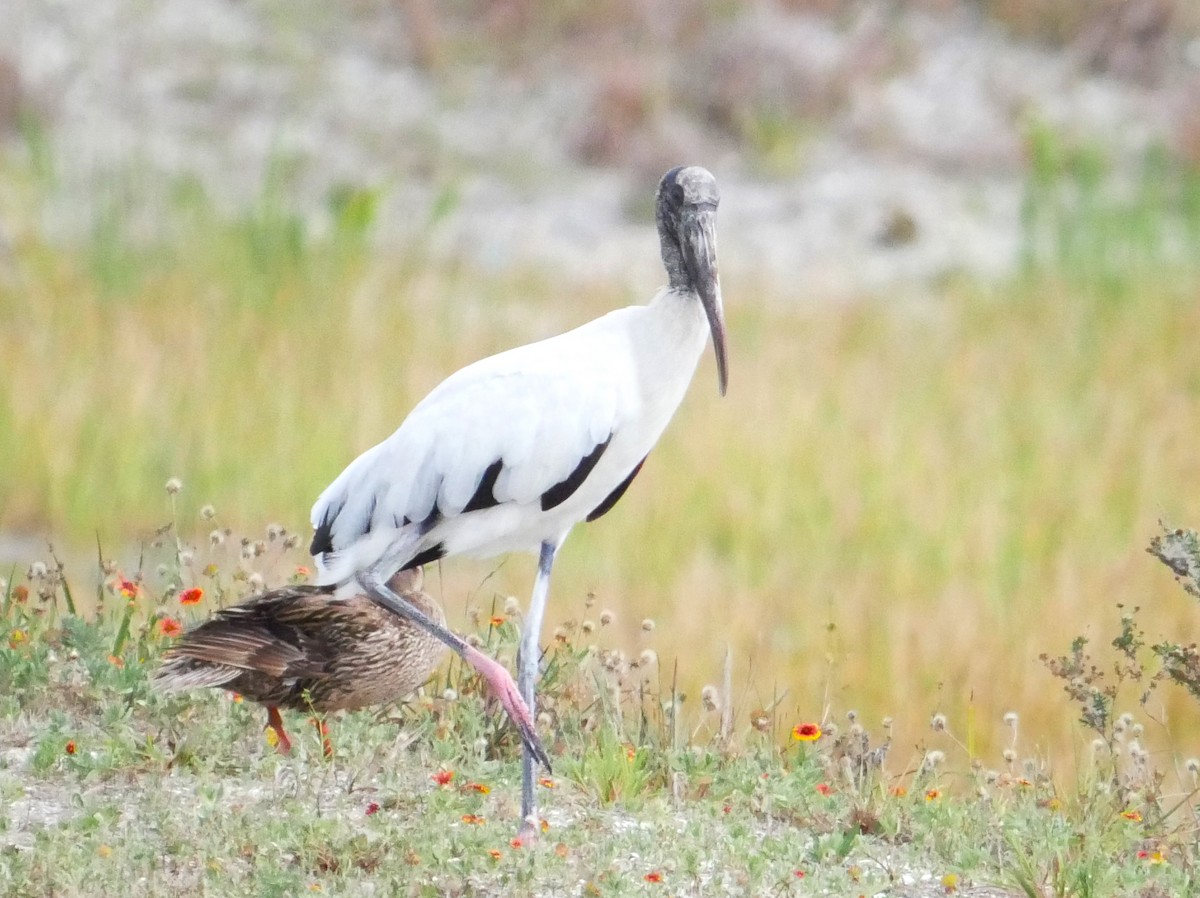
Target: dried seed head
x=560, y=634
x=887, y=723
x=830, y=731
x=852, y=716
x=648, y=625
x=1193, y=765
x=587, y=627
x=473, y=615
x=1009, y=755
x=216, y=537
x=977, y=764
x=991, y=777
x=761, y=721
x=710, y=698
x=1010, y=719
x=449, y=694
x=933, y=759
x=590, y=600
x=108, y=567
x=938, y=722
x=856, y=730
x=37, y=570
x=260, y=548
x=255, y=581
x=1099, y=744
x=161, y=570
x=186, y=556
x=1137, y=730
x=512, y=607
x=247, y=551
x=606, y=618
x=648, y=658
x=474, y=641
x=274, y=531
x=1125, y=719
x=545, y=721
x=207, y=512
x=174, y=485
x=292, y=541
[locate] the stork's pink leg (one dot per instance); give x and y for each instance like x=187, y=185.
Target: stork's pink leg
x=504, y=687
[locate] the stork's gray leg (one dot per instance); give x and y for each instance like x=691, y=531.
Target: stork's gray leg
x=498, y=678
x=527, y=663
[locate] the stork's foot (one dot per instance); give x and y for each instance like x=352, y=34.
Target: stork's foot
x=530, y=831
x=504, y=687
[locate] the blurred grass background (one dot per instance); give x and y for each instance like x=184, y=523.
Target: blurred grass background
x=897, y=508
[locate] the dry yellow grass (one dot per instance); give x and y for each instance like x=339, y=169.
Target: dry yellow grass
x=896, y=509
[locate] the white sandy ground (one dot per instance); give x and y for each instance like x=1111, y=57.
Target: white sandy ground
x=217, y=90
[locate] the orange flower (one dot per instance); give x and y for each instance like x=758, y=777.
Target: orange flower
x=933, y=795
x=70, y=747
x=116, y=662
x=547, y=783
x=303, y=571
x=236, y=697
x=127, y=588
x=169, y=627
x=514, y=843
x=495, y=853
x=545, y=825
x=443, y=777
x=800, y=874
x=825, y=788
x=899, y=791
x=653, y=876
x=474, y=819
x=20, y=593
x=481, y=788
x=1134, y=815
x=191, y=596
x=1154, y=857
x=496, y=621
x=806, y=732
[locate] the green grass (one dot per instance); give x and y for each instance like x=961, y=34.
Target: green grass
x=110, y=788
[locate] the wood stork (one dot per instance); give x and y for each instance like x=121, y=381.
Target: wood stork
x=511, y=452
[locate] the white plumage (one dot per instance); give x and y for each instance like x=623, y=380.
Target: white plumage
x=509, y=453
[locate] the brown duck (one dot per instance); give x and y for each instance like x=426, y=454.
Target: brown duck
x=298, y=648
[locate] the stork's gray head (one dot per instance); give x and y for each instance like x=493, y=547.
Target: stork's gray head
x=686, y=210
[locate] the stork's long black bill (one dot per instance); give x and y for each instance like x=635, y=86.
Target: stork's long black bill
x=698, y=240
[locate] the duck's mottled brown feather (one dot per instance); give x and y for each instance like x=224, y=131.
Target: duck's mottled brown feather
x=298, y=647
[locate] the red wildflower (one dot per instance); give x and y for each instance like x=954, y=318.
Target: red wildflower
x=800, y=874
x=515, y=843
x=20, y=593
x=127, y=588
x=443, y=777
x=1134, y=815
x=170, y=627
x=653, y=876
x=116, y=662
x=372, y=808
x=806, y=732
x=825, y=788
x=474, y=819
x=495, y=853
x=547, y=783
x=70, y=747
x=496, y=621
x=191, y=596
x=481, y=788
x=932, y=795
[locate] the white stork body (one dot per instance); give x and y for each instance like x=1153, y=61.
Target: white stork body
x=511, y=452
x=540, y=410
